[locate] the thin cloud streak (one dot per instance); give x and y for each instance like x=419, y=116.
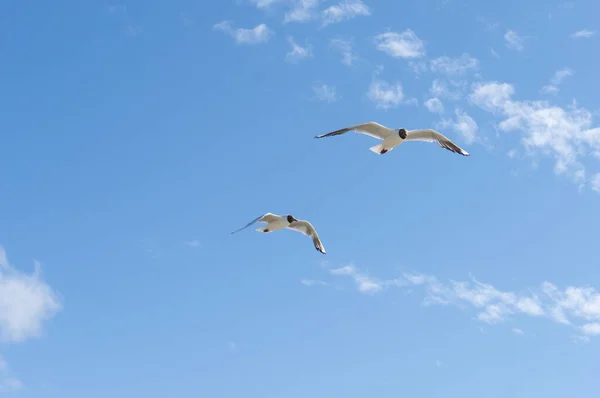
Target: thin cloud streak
x=573, y=306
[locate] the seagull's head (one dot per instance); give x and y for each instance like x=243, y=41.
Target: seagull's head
x=402, y=133
x=291, y=219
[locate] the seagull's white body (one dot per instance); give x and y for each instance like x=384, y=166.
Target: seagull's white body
x=276, y=222
x=391, y=138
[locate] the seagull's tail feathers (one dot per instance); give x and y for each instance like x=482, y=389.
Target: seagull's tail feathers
x=378, y=149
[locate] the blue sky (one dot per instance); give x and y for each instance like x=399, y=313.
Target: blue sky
x=136, y=136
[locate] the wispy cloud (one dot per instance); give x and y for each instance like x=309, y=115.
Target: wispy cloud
x=344, y=47
x=518, y=331
x=259, y=34
x=265, y=3
x=556, y=81
x=325, y=92
x=297, y=52
x=364, y=283
x=303, y=11
x=583, y=34
x=578, y=307
x=591, y=329
x=454, y=66
x=26, y=302
x=451, y=90
x=8, y=383
x=463, y=124
x=434, y=105
x=193, y=243
x=514, y=41
x=313, y=282
x=401, y=45
x=595, y=182
x=547, y=129
x=344, y=10
x=488, y=25
x=387, y=95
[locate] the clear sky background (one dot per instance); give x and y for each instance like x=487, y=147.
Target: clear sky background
x=136, y=136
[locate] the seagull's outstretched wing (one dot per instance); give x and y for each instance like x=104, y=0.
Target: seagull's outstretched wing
x=267, y=217
x=431, y=136
x=372, y=129
x=307, y=229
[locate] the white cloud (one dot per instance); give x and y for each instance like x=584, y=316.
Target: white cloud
x=556, y=80
x=297, y=52
x=344, y=47
x=418, y=67
x=583, y=34
x=595, y=183
x=565, y=134
x=313, y=282
x=530, y=306
x=591, y=329
x=325, y=92
x=193, y=243
x=7, y=382
x=387, y=95
x=303, y=11
x=575, y=306
x=463, y=124
x=518, y=331
x=434, y=105
x=259, y=34
x=264, y=3
x=514, y=41
x=560, y=75
x=26, y=302
x=549, y=89
x=364, y=283
x=454, y=66
x=344, y=10
x=401, y=45
x=443, y=89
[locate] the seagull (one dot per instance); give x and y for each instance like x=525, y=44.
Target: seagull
x=392, y=137
x=276, y=222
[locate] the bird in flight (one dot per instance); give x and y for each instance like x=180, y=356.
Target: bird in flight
x=393, y=137
x=276, y=222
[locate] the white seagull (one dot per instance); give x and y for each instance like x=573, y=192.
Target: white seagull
x=394, y=137
x=276, y=222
